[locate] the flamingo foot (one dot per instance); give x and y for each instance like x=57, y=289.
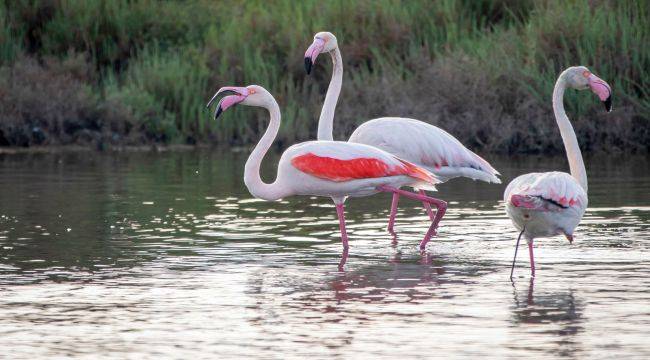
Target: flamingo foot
x=394, y=236
x=344, y=259
x=569, y=237
x=430, y=233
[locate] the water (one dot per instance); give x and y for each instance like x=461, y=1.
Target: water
x=166, y=255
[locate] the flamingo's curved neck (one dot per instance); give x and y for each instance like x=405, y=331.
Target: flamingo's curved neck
x=576, y=164
x=252, y=178
x=326, y=120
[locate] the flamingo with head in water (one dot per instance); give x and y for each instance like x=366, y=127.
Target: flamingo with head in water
x=334, y=169
x=425, y=145
x=553, y=203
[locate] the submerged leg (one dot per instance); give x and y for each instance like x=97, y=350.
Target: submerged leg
x=344, y=259
x=512, y=270
x=340, y=211
x=532, y=258
x=427, y=206
x=393, y=212
x=440, y=205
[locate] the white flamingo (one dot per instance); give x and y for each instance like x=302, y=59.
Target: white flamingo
x=334, y=169
x=552, y=203
x=415, y=141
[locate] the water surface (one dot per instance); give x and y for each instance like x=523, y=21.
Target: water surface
x=165, y=255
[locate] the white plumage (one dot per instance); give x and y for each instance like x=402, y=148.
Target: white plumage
x=547, y=204
x=553, y=203
x=415, y=141
x=335, y=169
x=425, y=145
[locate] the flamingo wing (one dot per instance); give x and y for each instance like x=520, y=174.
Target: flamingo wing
x=425, y=145
x=340, y=161
x=550, y=191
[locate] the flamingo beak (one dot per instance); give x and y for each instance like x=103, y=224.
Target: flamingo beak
x=569, y=237
x=602, y=90
x=235, y=96
x=312, y=53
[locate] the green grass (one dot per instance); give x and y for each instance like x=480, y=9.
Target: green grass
x=152, y=65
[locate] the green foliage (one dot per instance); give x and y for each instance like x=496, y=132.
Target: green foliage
x=154, y=64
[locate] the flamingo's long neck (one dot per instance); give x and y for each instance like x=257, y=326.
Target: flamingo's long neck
x=252, y=177
x=326, y=120
x=576, y=164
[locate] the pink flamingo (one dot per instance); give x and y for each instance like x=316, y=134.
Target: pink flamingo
x=333, y=169
x=552, y=203
x=422, y=144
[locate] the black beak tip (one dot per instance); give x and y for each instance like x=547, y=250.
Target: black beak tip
x=608, y=103
x=218, y=112
x=308, y=65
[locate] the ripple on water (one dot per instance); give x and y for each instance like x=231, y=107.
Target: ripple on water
x=168, y=256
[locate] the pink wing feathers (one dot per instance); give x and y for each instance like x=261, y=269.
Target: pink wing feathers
x=338, y=170
x=343, y=161
x=551, y=191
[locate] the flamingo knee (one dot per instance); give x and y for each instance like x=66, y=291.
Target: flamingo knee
x=427, y=206
x=440, y=205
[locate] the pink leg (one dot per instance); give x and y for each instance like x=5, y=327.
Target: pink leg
x=532, y=258
x=393, y=211
x=340, y=209
x=427, y=206
x=440, y=205
x=344, y=259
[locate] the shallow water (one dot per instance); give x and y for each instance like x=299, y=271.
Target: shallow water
x=167, y=255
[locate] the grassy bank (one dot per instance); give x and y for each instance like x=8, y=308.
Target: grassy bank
x=106, y=73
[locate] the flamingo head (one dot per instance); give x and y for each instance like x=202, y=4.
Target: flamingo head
x=323, y=42
x=579, y=77
x=252, y=95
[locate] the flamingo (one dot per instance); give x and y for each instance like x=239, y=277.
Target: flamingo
x=553, y=203
x=422, y=144
x=334, y=169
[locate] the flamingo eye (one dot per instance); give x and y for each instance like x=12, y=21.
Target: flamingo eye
x=251, y=91
x=586, y=74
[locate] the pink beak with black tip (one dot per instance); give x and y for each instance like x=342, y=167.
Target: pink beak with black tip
x=602, y=90
x=312, y=53
x=235, y=96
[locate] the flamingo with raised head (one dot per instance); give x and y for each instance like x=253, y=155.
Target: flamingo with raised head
x=553, y=203
x=333, y=169
x=422, y=144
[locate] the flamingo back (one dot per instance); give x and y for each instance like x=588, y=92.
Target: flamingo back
x=425, y=145
x=549, y=191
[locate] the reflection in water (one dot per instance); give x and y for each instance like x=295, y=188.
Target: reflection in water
x=167, y=254
x=558, y=312
x=409, y=278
